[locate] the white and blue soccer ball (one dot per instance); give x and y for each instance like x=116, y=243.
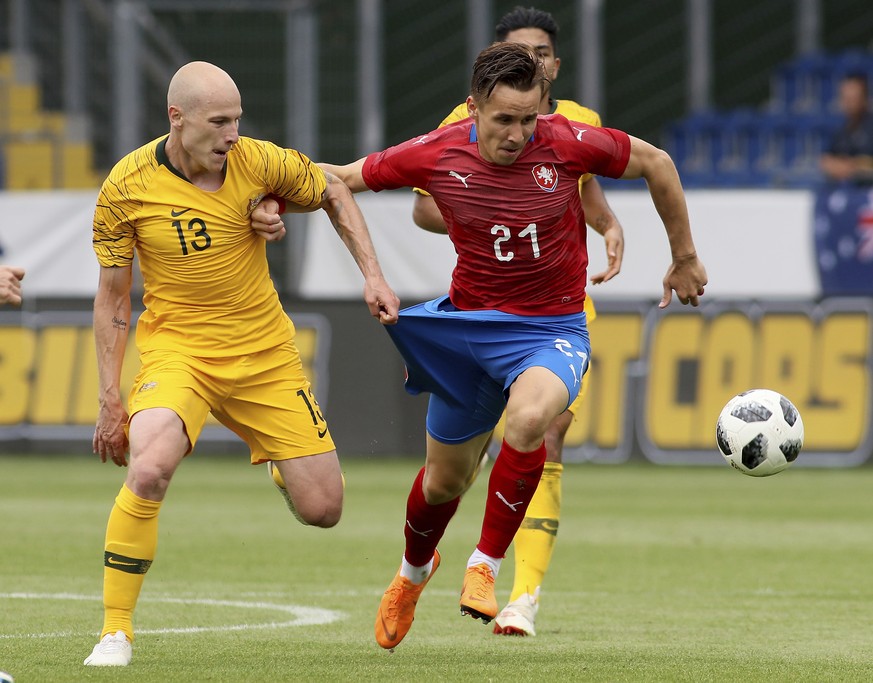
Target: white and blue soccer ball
x=6, y=678
x=759, y=432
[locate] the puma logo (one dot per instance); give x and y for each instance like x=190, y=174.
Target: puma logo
x=416, y=531
x=462, y=178
x=511, y=506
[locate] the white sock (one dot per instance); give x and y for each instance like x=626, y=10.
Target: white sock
x=478, y=557
x=415, y=574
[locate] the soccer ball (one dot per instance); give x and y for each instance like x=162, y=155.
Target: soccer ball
x=759, y=432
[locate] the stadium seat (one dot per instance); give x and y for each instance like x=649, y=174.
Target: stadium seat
x=741, y=147
x=696, y=145
x=779, y=145
x=800, y=85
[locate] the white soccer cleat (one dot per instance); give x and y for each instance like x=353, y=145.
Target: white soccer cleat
x=517, y=618
x=113, y=650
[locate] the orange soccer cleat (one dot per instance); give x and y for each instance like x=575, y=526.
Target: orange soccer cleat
x=397, y=609
x=477, y=595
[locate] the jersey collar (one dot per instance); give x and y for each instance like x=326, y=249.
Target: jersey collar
x=164, y=160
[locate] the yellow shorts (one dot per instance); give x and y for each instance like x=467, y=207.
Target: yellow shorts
x=263, y=397
x=576, y=405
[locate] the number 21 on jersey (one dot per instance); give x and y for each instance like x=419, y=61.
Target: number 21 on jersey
x=502, y=234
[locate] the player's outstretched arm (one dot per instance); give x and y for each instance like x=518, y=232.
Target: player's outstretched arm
x=599, y=215
x=348, y=221
x=351, y=174
x=111, y=329
x=686, y=275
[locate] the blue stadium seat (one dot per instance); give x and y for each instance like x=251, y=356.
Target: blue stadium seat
x=696, y=144
x=779, y=146
x=801, y=84
x=741, y=148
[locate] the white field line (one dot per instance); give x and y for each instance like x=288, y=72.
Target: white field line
x=301, y=615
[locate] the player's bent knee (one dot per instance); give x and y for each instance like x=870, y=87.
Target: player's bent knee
x=529, y=417
x=437, y=493
x=324, y=514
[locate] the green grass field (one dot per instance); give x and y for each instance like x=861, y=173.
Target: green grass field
x=660, y=574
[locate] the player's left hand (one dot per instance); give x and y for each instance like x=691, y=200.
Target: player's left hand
x=267, y=221
x=383, y=303
x=613, y=240
x=687, y=277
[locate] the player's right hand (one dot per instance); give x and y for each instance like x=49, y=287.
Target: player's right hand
x=110, y=439
x=383, y=303
x=687, y=277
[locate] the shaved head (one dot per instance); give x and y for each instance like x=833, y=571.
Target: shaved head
x=199, y=85
x=204, y=108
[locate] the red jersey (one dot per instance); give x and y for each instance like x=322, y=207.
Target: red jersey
x=519, y=230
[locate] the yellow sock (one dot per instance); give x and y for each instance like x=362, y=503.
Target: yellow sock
x=535, y=539
x=131, y=540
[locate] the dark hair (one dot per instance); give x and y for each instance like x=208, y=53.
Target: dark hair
x=528, y=17
x=512, y=64
x=858, y=76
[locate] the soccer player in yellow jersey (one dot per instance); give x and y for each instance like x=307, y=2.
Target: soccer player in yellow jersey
x=535, y=540
x=213, y=336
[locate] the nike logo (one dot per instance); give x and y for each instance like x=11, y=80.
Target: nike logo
x=579, y=132
x=321, y=433
x=176, y=214
x=129, y=565
x=549, y=526
x=511, y=506
x=462, y=178
x=390, y=636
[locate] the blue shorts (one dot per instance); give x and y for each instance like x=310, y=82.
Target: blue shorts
x=467, y=360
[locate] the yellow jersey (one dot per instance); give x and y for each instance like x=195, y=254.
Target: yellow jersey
x=207, y=286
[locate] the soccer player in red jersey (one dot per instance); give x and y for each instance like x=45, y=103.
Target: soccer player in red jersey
x=535, y=541
x=511, y=334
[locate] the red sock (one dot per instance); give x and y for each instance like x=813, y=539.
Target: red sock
x=513, y=482
x=425, y=524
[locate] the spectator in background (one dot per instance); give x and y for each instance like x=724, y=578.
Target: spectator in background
x=10, y=284
x=849, y=156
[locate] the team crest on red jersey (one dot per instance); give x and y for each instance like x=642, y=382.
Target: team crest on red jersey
x=546, y=176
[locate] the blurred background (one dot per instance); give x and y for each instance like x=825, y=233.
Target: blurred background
x=82, y=82
x=744, y=95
